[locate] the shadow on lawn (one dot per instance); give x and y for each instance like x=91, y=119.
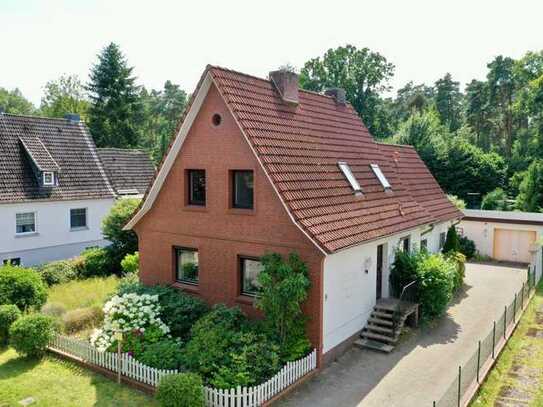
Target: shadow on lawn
x=17, y=366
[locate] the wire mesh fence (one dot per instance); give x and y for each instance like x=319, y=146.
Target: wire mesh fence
x=486, y=349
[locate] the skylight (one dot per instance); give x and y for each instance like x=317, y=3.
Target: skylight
x=346, y=170
x=380, y=176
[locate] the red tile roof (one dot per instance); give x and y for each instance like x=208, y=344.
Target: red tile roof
x=299, y=148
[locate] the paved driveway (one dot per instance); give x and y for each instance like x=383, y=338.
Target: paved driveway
x=423, y=366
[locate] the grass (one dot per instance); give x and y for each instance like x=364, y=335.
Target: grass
x=57, y=383
x=83, y=293
x=521, y=350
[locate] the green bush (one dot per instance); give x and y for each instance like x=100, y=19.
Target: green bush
x=403, y=270
x=22, y=287
x=452, y=242
x=82, y=318
x=95, y=262
x=435, y=284
x=53, y=309
x=180, y=390
x=165, y=354
x=460, y=270
x=178, y=310
x=131, y=263
x=123, y=242
x=467, y=247
x=9, y=313
x=58, y=272
x=31, y=334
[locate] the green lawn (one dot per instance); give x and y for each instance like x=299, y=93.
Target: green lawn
x=83, y=293
x=58, y=383
x=518, y=374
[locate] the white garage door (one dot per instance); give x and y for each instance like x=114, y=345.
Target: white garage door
x=513, y=245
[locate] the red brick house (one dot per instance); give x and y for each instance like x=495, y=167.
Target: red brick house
x=259, y=165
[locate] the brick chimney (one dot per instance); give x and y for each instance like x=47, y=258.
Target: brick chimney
x=338, y=94
x=286, y=83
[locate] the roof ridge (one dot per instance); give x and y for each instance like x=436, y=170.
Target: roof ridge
x=30, y=116
x=395, y=145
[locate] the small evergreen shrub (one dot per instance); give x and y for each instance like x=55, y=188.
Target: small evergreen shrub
x=58, y=272
x=95, y=262
x=23, y=287
x=53, y=309
x=452, y=241
x=31, y=334
x=460, y=271
x=467, y=247
x=131, y=263
x=435, y=284
x=9, y=313
x=82, y=318
x=404, y=270
x=165, y=354
x=180, y=390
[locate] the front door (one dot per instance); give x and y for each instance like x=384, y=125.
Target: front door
x=379, y=283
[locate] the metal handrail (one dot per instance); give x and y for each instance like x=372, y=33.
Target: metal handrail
x=408, y=294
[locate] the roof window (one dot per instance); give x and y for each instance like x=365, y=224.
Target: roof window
x=346, y=170
x=380, y=176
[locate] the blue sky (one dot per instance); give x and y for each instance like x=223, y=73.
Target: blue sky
x=40, y=40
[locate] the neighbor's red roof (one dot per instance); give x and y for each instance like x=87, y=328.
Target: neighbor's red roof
x=300, y=148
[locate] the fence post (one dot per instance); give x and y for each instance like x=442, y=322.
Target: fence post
x=504, y=321
x=494, y=340
x=459, y=383
x=478, y=360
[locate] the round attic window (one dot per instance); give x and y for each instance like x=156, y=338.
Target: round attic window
x=216, y=119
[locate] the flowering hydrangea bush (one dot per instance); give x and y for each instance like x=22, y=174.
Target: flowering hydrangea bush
x=131, y=314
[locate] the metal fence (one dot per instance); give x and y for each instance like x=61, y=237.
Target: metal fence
x=486, y=349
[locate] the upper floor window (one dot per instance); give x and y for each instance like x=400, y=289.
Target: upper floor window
x=250, y=268
x=78, y=218
x=186, y=265
x=25, y=222
x=243, y=187
x=48, y=179
x=197, y=187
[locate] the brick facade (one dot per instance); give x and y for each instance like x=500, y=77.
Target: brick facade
x=221, y=233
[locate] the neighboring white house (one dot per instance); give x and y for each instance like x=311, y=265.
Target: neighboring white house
x=505, y=236
x=54, y=190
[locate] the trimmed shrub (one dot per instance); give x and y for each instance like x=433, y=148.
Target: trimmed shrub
x=82, y=318
x=452, y=242
x=9, y=313
x=123, y=242
x=165, y=354
x=467, y=247
x=180, y=390
x=94, y=262
x=53, y=309
x=131, y=263
x=178, y=310
x=460, y=271
x=404, y=270
x=31, y=334
x=22, y=287
x=58, y=272
x=435, y=284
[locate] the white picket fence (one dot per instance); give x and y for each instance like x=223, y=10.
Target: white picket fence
x=256, y=395
x=239, y=397
x=130, y=367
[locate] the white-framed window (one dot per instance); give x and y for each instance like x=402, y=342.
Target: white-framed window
x=442, y=238
x=78, y=218
x=25, y=223
x=424, y=244
x=48, y=178
x=405, y=244
x=380, y=176
x=346, y=170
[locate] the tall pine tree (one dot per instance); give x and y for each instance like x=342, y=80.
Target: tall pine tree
x=115, y=115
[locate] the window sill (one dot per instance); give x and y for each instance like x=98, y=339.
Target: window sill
x=195, y=208
x=79, y=229
x=245, y=299
x=27, y=234
x=240, y=211
x=190, y=288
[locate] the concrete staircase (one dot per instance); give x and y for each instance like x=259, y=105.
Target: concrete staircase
x=379, y=333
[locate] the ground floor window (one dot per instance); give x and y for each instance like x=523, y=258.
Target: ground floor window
x=250, y=268
x=14, y=262
x=186, y=265
x=405, y=244
x=442, y=238
x=424, y=244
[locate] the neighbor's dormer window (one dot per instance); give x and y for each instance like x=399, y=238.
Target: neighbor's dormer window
x=48, y=179
x=346, y=170
x=380, y=176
